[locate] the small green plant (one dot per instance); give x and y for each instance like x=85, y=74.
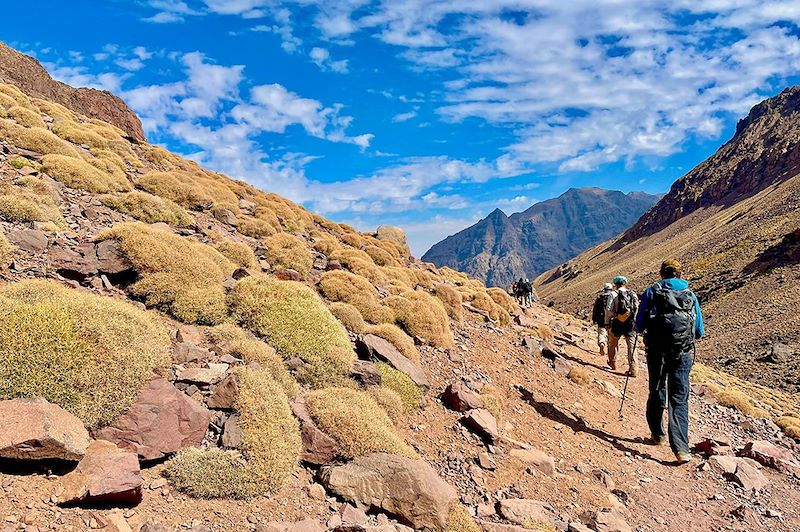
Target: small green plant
x=402, y=385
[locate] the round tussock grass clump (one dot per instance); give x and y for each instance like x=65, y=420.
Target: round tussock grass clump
x=356, y=422
x=502, y=298
x=77, y=173
x=580, y=375
x=270, y=450
x=37, y=139
x=288, y=251
x=459, y=520
x=78, y=134
x=452, y=301
x=177, y=275
x=296, y=322
x=255, y=227
x=389, y=400
x=148, y=208
x=422, y=315
x=53, y=110
x=238, y=253
x=346, y=287
x=19, y=97
x=395, y=336
x=380, y=256
x=178, y=187
x=402, y=385
x=324, y=242
x=360, y=264
x=26, y=117
x=89, y=354
x=349, y=316
x=28, y=203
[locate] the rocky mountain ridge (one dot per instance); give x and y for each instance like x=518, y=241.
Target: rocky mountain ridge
x=500, y=249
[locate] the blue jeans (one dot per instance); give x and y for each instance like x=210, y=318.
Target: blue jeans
x=669, y=388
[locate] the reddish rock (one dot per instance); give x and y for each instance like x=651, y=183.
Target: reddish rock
x=33, y=429
x=188, y=352
x=749, y=477
x=483, y=423
x=457, y=396
x=607, y=520
x=203, y=376
x=232, y=433
x=162, y=421
x=365, y=373
x=523, y=320
x=29, y=240
x=371, y=346
x=409, y=489
x=715, y=446
x=538, y=459
x=333, y=265
x=526, y=511
x=111, y=259
x=286, y=274
x=562, y=366
x=225, y=394
x=772, y=456
x=106, y=474
x=318, y=447
x=226, y=216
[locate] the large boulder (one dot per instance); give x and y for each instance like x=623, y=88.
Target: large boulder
x=536, y=458
x=608, y=520
x=457, y=396
x=318, y=447
x=409, y=489
x=34, y=429
x=162, y=421
x=371, y=346
x=106, y=474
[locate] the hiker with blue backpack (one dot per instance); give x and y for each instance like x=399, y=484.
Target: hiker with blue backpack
x=670, y=320
x=623, y=312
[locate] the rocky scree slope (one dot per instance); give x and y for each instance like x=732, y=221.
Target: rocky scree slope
x=734, y=223
x=500, y=248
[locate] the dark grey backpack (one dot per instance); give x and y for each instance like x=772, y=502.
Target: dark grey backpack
x=671, y=322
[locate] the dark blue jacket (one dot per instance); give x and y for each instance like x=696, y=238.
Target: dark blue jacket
x=673, y=284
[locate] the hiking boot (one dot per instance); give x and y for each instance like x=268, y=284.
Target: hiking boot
x=683, y=457
x=657, y=441
x=612, y=364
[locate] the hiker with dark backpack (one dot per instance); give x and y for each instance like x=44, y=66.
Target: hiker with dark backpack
x=601, y=315
x=670, y=319
x=623, y=312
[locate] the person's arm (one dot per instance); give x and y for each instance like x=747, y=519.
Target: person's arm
x=641, y=314
x=699, y=326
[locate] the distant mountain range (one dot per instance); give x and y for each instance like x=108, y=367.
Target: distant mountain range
x=500, y=248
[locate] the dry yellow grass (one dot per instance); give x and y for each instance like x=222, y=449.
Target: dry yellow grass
x=359, y=263
x=32, y=202
x=493, y=400
x=459, y=520
x=324, y=243
x=177, y=275
x=451, y=299
x=350, y=288
x=89, y=354
x=21, y=162
x=6, y=251
x=77, y=173
x=349, y=316
x=502, y=298
x=255, y=227
x=296, y=322
x=480, y=299
x=25, y=117
x=238, y=253
x=389, y=400
x=270, y=447
x=54, y=110
x=424, y=316
x=351, y=238
x=148, y=208
x=400, y=383
x=178, y=187
x=356, y=422
x=16, y=95
x=36, y=139
x=580, y=375
x=380, y=256
x=288, y=251
x=79, y=134
x=395, y=335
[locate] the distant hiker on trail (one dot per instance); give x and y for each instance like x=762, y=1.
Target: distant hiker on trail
x=527, y=292
x=601, y=315
x=519, y=291
x=623, y=315
x=670, y=319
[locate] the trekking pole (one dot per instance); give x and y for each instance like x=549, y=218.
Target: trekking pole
x=627, y=378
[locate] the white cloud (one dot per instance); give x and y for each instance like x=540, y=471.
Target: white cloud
x=170, y=11
x=322, y=58
x=404, y=117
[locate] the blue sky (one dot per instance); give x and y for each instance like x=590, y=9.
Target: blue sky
x=426, y=114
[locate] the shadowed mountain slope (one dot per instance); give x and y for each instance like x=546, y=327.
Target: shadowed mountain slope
x=500, y=248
